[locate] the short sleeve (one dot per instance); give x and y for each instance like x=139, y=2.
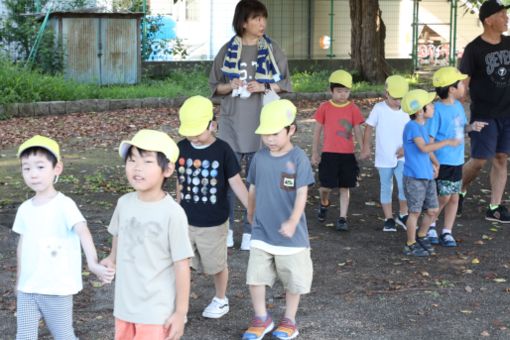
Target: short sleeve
x=467, y=62
x=357, y=116
x=72, y=214
x=178, y=235
x=216, y=76
x=113, y=228
x=432, y=125
x=232, y=167
x=252, y=172
x=373, y=117
x=320, y=116
x=281, y=61
x=19, y=225
x=304, y=173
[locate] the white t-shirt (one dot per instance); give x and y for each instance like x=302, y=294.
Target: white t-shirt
x=50, y=252
x=151, y=236
x=389, y=125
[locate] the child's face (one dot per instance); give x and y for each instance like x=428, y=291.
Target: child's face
x=39, y=173
x=429, y=112
x=279, y=142
x=340, y=95
x=143, y=171
x=393, y=103
x=459, y=91
x=205, y=138
x=255, y=26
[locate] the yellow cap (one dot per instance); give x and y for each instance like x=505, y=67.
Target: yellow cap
x=42, y=142
x=195, y=114
x=447, y=76
x=415, y=100
x=397, y=86
x=275, y=116
x=151, y=140
x=341, y=77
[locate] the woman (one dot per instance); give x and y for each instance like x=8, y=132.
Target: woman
x=244, y=70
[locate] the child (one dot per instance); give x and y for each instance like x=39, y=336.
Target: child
x=150, y=246
x=338, y=167
x=279, y=176
x=389, y=120
x=449, y=122
x=207, y=167
x=51, y=229
x=420, y=168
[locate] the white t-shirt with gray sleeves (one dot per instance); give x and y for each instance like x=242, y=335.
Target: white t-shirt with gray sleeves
x=389, y=127
x=151, y=236
x=50, y=252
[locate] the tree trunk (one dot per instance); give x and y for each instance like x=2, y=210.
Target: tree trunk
x=367, y=40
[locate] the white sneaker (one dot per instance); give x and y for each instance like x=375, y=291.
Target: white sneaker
x=230, y=238
x=245, y=243
x=216, y=309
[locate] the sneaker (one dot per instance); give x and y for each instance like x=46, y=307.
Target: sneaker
x=425, y=243
x=258, y=328
x=341, y=224
x=500, y=214
x=461, y=202
x=322, y=212
x=286, y=330
x=432, y=236
x=401, y=221
x=415, y=250
x=447, y=240
x=245, y=243
x=216, y=309
x=389, y=225
x=230, y=238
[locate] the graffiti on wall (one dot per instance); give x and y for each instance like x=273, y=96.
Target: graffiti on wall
x=433, y=54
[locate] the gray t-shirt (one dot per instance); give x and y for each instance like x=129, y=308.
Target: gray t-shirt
x=239, y=117
x=276, y=180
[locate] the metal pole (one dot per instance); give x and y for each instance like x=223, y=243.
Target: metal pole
x=331, y=14
x=414, y=53
x=453, y=44
x=144, y=28
x=37, y=6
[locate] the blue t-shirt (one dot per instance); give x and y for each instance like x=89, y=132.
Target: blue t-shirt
x=448, y=123
x=418, y=164
x=276, y=180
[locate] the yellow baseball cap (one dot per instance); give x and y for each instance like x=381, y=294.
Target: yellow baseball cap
x=447, y=76
x=42, y=142
x=341, y=77
x=275, y=116
x=415, y=100
x=195, y=114
x=151, y=140
x=397, y=86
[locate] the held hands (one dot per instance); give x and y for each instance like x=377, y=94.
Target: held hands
x=315, y=159
x=400, y=152
x=288, y=228
x=104, y=273
x=364, y=154
x=174, y=326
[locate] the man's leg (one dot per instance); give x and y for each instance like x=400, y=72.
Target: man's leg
x=498, y=177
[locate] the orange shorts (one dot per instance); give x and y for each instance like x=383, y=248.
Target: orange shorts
x=138, y=331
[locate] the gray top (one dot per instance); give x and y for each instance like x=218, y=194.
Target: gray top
x=239, y=117
x=276, y=180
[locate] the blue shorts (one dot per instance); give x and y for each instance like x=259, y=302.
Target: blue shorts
x=493, y=138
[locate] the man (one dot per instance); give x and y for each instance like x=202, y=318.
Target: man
x=486, y=60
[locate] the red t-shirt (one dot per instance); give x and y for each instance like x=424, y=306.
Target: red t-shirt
x=338, y=121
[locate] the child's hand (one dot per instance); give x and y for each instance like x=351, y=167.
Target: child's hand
x=315, y=159
x=288, y=228
x=364, y=154
x=108, y=262
x=435, y=167
x=400, y=152
x=104, y=273
x=174, y=326
x=455, y=142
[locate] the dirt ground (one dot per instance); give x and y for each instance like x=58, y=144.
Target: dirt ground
x=363, y=288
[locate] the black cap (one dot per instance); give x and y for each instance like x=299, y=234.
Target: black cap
x=489, y=8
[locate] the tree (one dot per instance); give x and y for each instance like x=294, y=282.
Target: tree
x=367, y=40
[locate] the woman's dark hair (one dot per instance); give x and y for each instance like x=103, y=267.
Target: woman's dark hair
x=247, y=9
x=442, y=92
x=37, y=149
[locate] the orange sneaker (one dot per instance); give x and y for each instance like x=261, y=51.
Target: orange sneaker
x=258, y=328
x=286, y=330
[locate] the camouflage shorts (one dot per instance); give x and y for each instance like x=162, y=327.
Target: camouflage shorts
x=446, y=188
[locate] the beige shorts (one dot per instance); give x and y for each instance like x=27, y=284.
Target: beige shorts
x=210, y=248
x=295, y=271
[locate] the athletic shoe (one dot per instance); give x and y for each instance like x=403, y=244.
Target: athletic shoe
x=286, y=330
x=389, y=225
x=432, y=236
x=447, y=240
x=401, y=221
x=230, y=238
x=461, y=203
x=425, y=243
x=216, y=309
x=322, y=213
x=258, y=328
x=341, y=224
x=415, y=250
x=500, y=214
x=245, y=243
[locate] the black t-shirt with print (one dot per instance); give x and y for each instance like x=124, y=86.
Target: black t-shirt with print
x=203, y=181
x=489, y=68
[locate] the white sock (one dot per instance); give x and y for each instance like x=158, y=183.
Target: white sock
x=446, y=231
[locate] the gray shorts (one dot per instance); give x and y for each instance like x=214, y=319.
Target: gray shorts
x=421, y=194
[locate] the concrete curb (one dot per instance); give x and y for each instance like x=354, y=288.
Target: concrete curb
x=38, y=109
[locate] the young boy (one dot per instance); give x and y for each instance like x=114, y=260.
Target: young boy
x=150, y=246
x=279, y=176
x=338, y=168
x=51, y=229
x=388, y=119
x=449, y=122
x=420, y=168
x=206, y=168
